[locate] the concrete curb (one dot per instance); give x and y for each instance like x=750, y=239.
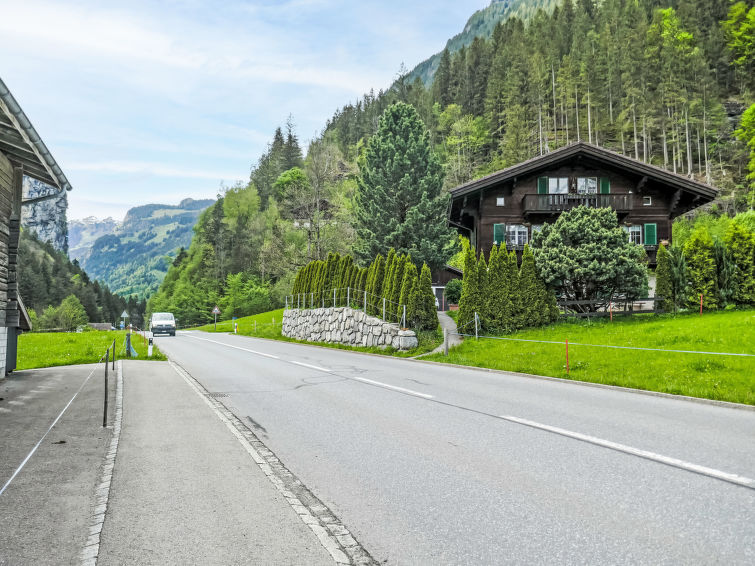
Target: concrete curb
x=91, y=549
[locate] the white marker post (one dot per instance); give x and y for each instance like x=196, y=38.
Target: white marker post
x=216, y=312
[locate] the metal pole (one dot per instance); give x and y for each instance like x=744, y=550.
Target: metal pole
x=216, y=321
x=365, y=302
x=403, y=318
x=348, y=296
x=445, y=341
x=104, y=412
x=567, y=356
x=334, y=298
x=383, y=308
x=128, y=345
x=476, y=334
x=113, y=354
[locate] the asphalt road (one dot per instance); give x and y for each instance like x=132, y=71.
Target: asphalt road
x=427, y=464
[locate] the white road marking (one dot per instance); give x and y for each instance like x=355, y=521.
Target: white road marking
x=689, y=466
x=17, y=403
x=310, y=366
x=4, y=410
x=403, y=390
x=33, y=450
x=235, y=347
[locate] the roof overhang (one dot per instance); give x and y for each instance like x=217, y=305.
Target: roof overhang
x=582, y=149
x=21, y=144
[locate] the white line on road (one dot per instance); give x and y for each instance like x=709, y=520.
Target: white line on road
x=689, y=466
x=236, y=347
x=311, y=366
x=381, y=384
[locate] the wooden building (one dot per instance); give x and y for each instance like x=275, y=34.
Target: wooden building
x=508, y=206
x=22, y=152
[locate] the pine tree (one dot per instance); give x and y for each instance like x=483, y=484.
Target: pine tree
x=701, y=270
x=663, y=283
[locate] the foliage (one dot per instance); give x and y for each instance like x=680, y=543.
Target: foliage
x=740, y=243
x=701, y=270
x=746, y=134
x=469, y=302
x=453, y=291
x=726, y=378
x=425, y=314
x=585, y=256
x=399, y=202
x=663, y=280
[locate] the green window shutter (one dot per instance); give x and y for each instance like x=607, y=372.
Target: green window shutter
x=499, y=233
x=542, y=185
x=605, y=186
x=650, y=235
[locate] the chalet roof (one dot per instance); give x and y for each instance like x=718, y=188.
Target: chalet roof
x=21, y=143
x=576, y=150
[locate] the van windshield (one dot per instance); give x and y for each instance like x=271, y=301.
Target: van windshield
x=162, y=316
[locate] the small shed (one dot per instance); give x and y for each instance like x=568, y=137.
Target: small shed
x=22, y=152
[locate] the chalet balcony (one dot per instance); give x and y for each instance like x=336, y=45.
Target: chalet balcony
x=557, y=203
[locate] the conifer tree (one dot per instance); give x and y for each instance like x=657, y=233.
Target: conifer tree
x=741, y=245
x=469, y=293
x=428, y=314
x=390, y=265
x=413, y=300
x=517, y=304
x=663, y=285
x=397, y=279
x=407, y=281
x=482, y=286
x=533, y=311
x=377, y=285
x=498, y=293
x=701, y=270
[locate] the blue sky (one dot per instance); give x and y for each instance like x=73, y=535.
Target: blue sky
x=145, y=102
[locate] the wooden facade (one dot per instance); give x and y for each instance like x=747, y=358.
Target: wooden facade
x=508, y=206
x=22, y=152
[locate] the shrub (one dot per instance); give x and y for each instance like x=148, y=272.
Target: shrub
x=453, y=291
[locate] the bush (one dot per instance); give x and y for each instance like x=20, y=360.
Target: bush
x=453, y=291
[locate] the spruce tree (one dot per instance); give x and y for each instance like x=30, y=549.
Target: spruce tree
x=663, y=284
x=399, y=200
x=701, y=270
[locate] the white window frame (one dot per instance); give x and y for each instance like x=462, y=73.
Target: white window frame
x=500, y=201
x=635, y=234
x=587, y=185
x=558, y=185
x=647, y=201
x=516, y=235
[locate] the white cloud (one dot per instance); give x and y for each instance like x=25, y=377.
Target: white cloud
x=156, y=169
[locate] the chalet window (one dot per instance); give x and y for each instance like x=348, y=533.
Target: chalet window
x=651, y=234
x=536, y=228
x=635, y=234
x=558, y=185
x=587, y=185
x=499, y=234
x=647, y=201
x=516, y=235
x=499, y=201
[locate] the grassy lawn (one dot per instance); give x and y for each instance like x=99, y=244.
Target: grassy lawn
x=47, y=349
x=726, y=378
x=265, y=328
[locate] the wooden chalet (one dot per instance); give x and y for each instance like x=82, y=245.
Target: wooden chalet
x=508, y=206
x=22, y=152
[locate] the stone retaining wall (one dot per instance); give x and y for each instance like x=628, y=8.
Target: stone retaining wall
x=343, y=325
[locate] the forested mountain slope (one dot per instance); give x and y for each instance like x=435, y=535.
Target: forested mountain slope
x=131, y=257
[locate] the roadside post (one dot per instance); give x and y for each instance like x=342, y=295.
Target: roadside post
x=701, y=304
x=216, y=312
x=149, y=348
x=128, y=344
x=567, y=356
x=104, y=412
x=445, y=341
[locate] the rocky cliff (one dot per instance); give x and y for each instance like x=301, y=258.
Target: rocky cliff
x=47, y=219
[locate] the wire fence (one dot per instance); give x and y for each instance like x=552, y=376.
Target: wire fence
x=374, y=305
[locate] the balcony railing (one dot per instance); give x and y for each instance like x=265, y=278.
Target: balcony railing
x=562, y=202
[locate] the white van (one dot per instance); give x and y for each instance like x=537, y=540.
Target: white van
x=162, y=323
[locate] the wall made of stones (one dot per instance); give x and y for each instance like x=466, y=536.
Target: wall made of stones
x=343, y=325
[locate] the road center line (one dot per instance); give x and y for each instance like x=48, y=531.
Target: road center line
x=403, y=390
x=689, y=466
x=236, y=347
x=310, y=366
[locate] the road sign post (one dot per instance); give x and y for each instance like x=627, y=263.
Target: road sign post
x=216, y=312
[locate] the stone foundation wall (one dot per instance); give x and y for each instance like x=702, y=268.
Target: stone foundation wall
x=343, y=325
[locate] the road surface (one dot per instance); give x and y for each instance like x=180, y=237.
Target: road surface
x=428, y=464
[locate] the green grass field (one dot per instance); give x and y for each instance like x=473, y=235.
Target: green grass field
x=266, y=329
x=726, y=378
x=47, y=349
